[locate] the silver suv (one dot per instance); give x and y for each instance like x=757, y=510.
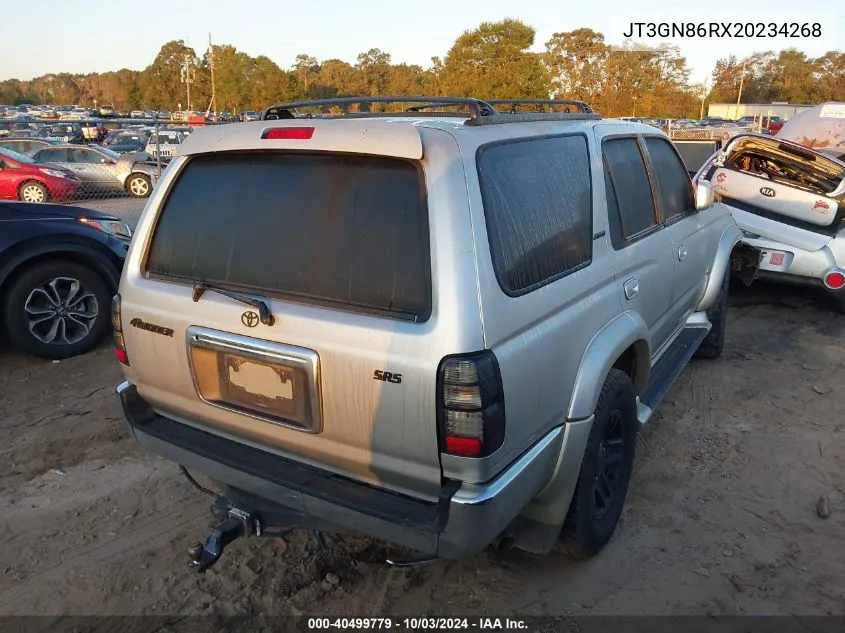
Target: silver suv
x=442, y=329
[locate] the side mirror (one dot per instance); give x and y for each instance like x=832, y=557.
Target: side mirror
x=107, y=161
x=2, y=165
x=703, y=195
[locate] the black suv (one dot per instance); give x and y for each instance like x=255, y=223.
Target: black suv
x=59, y=268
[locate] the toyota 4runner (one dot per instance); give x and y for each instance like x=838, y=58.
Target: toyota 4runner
x=442, y=329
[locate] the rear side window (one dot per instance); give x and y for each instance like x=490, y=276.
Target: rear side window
x=673, y=184
x=629, y=179
x=347, y=231
x=538, y=204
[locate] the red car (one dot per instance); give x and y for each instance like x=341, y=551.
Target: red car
x=771, y=123
x=21, y=178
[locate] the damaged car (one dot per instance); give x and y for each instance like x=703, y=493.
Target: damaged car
x=103, y=171
x=789, y=201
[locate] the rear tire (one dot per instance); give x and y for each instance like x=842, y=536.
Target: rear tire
x=605, y=471
x=713, y=344
x=80, y=312
x=33, y=191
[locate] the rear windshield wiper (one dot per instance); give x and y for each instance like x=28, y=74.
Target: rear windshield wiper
x=264, y=314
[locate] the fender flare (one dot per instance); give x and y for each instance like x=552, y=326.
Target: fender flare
x=100, y=261
x=731, y=236
x=608, y=344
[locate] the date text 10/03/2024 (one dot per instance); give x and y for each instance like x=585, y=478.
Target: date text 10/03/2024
x=420, y=624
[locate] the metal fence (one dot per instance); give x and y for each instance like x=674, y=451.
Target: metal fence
x=111, y=165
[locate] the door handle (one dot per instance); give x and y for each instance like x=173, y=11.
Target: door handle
x=682, y=253
x=632, y=288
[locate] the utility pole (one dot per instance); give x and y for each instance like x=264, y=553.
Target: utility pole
x=211, y=66
x=741, y=81
x=189, y=74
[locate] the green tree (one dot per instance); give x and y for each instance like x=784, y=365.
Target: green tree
x=577, y=63
x=829, y=75
x=791, y=77
x=493, y=61
x=307, y=69
x=161, y=82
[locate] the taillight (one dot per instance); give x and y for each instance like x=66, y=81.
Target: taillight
x=471, y=405
x=117, y=326
x=293, y=133
x=834, y=280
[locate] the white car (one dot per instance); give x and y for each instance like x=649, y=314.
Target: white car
x=164, y=144
x=789, y=202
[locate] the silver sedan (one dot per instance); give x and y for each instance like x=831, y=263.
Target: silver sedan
x=103, y=171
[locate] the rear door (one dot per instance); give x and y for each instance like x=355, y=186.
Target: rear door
x=338, y=248
x=694, y=234
x=642, y=250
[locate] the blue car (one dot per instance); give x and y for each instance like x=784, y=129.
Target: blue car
x=59, y=269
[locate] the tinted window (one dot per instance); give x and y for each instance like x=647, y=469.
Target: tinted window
x=351, y=231
x=52, y=156
x=624, y=161
x=538, y=203
x=85, y=156
x=672, y=180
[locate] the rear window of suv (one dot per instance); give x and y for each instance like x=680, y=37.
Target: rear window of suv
x=348, y=231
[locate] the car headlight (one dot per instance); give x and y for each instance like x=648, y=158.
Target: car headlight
x=117, y=229
x=54, y=172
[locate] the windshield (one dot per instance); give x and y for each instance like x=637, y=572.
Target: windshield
x=110, y=153
x=16, y=156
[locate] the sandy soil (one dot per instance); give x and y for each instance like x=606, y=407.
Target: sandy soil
x=721, y=518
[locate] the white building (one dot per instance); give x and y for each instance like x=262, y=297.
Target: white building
x=734, y=111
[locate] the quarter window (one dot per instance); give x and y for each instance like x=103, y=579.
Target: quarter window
x=538, y=205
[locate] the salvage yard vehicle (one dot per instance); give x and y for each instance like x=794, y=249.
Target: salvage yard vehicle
x=789, y=202
x=59, y=267
x=103, y=171
x=164, y=143
x=442, y=329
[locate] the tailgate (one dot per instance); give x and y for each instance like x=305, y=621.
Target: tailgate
x=337, y=247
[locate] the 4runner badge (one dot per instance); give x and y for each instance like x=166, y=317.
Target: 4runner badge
x=249, y=319
x=151, y=327
x=768, y=192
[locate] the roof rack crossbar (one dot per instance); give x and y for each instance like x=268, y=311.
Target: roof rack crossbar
x=533, y=117
x=581, y=105
x=477, y=107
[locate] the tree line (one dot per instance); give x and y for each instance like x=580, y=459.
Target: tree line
x=491, y=61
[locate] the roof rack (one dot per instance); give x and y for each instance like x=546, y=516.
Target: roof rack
x=477, y=107
x=481, y=112
x=580, y=106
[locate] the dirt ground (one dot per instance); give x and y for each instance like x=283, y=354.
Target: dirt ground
x=722, y=515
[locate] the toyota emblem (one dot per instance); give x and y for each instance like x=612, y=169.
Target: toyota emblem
x=249, y=319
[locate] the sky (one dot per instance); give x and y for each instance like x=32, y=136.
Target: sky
x=105, y=35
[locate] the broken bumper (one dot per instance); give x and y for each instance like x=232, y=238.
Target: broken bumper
x=463, y=521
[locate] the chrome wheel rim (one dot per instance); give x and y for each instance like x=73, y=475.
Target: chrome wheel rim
x=139, y=186
x=32, y=193
x=61, y=311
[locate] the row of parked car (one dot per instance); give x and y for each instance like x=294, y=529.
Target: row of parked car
x=765, y=124
x=109, y=111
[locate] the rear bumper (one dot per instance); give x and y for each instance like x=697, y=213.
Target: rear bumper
x=464, y=520
x=799, y=265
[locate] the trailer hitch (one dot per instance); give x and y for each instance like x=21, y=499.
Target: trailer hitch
x=237, y=523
